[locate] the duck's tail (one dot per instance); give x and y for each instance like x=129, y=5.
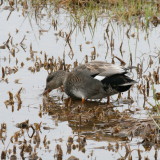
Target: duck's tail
x=119, y=82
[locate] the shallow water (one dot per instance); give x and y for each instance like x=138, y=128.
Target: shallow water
x=142, y=45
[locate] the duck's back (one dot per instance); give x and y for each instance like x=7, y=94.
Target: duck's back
x=100, y=68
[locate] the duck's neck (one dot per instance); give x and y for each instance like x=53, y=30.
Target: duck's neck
x=63, y=76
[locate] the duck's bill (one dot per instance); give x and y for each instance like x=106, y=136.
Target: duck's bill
x=46, y=92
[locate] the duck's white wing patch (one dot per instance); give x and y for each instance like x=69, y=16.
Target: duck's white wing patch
x=100, y=78
x=109, y=70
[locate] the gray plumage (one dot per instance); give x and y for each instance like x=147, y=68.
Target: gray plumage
x=94, y=80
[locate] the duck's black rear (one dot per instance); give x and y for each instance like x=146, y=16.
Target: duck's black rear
x=119, y=82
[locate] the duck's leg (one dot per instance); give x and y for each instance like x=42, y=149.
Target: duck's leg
x=119, y=96
x=83, y=100
x=108, y=99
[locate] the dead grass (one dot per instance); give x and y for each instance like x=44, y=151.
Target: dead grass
x=128, y=11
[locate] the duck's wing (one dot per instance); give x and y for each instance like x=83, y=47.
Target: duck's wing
x=100, y=70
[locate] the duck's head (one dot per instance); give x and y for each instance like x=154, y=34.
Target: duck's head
x=54, y=80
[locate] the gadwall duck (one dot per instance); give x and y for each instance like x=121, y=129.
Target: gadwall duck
x=94, y=80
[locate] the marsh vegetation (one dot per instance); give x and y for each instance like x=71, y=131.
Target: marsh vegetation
x=39, y=37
